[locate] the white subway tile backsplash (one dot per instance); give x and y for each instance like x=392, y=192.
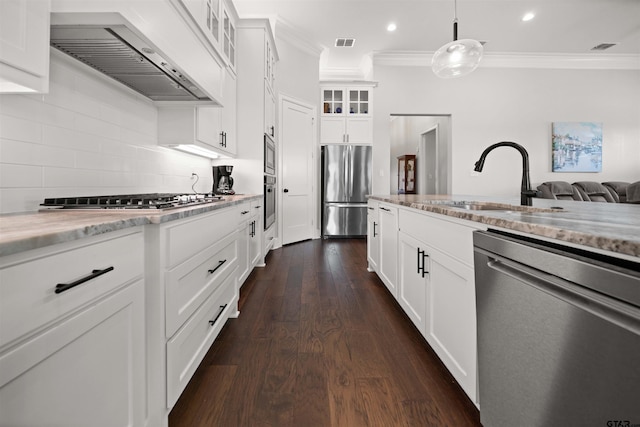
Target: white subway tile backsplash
x=93, y=126
x=87, y=136
x=20, y=176
x=70, y=138
x=66, y=177
x=21, y=106
x=18, y=152
x=56, y=116
x=19, y=129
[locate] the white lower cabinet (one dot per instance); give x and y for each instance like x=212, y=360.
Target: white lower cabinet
x=250, y=239
x=451, y=317
x=79, y=358
x=413, y=279
x=388, y=220
x=187, y=348
x=435, y=282
x=373, y=236
x=192, y=276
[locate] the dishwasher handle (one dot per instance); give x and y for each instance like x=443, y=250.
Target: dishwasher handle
x=608, y=309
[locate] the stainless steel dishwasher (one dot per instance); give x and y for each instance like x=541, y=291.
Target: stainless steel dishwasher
x=558, y=334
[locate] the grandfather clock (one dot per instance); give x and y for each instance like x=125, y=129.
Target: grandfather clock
x=407, y=174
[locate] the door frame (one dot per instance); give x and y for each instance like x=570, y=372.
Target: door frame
x=315, y=149
x=422, y=170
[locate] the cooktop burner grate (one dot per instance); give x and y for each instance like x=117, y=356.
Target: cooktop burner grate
x=131, y=201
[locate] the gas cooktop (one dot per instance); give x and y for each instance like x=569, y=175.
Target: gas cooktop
x=153, y=201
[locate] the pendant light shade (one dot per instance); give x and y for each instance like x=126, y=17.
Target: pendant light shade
x=458, y=57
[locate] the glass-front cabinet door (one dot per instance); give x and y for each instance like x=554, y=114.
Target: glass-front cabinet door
x=213, y=19
x=332, y=101
x=358, y=101
x=229, y=39
x=346, y=101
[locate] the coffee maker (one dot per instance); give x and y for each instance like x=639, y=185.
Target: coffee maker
x=222, y=181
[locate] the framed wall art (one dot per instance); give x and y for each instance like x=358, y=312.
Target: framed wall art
x=576, y=147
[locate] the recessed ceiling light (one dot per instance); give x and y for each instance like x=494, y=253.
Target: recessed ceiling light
x=528, y=16
x=391, y=27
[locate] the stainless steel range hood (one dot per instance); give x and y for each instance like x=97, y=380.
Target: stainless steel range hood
x=120, y=54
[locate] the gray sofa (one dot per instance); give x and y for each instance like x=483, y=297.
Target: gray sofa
x=591, y=191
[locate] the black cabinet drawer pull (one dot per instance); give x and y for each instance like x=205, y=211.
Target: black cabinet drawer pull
x=217, y=266
x=421, y=262
x=222, y=307
x=374, y=228
x=244, y=212
x=385, y=209
x=61, y=287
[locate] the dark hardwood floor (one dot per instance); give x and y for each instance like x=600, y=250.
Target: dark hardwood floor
x=320, y=342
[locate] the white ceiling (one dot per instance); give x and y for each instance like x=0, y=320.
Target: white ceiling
x=559, y=27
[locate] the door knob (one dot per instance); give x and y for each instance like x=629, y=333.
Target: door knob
x=286, y=190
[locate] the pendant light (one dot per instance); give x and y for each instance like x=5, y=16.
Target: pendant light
x=458, y=57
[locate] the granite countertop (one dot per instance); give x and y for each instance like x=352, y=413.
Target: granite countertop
x=32, y=230
x=612, y=227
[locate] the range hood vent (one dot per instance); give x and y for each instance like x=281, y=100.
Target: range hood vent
x=117, y=52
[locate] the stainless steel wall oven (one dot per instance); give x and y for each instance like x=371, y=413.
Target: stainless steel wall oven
x=269, y=201
x=269, y=155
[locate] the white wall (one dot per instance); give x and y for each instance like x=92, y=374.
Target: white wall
x=492, y=105
x=297, y=73
x=85, y=137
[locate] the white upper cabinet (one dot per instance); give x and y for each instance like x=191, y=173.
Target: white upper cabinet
x=229, y=22
x=217, y=20
x=207, y=15
x=346, y=114
x=24, y=46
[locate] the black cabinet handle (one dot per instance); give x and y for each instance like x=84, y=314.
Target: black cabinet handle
x=286, y=190
x=258, y=207
x=215, y=319
x=385, y=209
x=374, y=229
x=61, y=287
x=213, y=270
x=273, y=131
x=421, y=259
x=244, y=212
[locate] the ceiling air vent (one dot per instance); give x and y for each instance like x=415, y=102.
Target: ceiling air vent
x=603, y=46
x=344, y=42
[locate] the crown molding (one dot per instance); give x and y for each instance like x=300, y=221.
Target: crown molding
x=292, y=35
x=519, y=60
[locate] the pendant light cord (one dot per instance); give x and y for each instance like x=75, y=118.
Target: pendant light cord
x=455, y=20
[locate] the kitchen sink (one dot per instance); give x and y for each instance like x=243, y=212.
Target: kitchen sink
x=481, y=207
x=490, y=206
x=477, y=206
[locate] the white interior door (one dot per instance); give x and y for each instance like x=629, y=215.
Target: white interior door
x=298, y=139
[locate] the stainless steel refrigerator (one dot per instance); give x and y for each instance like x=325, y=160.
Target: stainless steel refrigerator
x=346, y=182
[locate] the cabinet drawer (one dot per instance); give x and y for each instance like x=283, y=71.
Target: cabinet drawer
x=192, y=236
x=256, y=207
x=62, y=376
x=27, y=286
x=190, y=283
x=450, y=237
x=372, y=210
x=244, y=212
x=188, y=347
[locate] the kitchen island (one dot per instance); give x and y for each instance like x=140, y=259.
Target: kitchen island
x=610, y=227
x=422, y=248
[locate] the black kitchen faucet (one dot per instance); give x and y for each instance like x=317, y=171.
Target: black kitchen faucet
x=526, y=193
